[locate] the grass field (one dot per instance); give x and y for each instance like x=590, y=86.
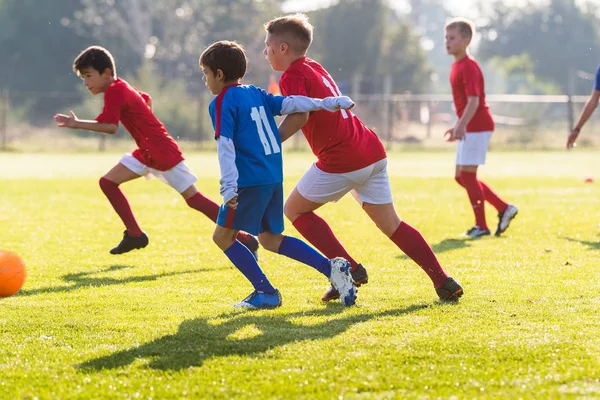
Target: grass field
x=158, y=323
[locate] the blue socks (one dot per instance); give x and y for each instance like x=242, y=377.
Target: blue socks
x=243, y=259
x=300, y=251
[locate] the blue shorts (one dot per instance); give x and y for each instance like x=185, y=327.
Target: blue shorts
x=260, y=209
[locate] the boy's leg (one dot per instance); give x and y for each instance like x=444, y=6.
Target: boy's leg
x=206, y=206
x=336, y=270
x=133, y=238
x=468, y=177
x=241, y=257
x=313, y=228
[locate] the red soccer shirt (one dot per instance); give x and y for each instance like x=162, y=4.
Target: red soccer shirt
x=156, y=148
x=466, y=80
x=341, y=142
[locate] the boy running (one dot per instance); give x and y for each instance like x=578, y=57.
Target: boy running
x=249, y=150
x=157, y=153
x=351, y=158
x=473, y=129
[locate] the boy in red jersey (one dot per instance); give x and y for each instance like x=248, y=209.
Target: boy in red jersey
x=473, y=129
x=157, y=153
x=351, y=158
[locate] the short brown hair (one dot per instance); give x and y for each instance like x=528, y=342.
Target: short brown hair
x=295, y=29
x=95, y=57
x=227, y=56
x=464, y=26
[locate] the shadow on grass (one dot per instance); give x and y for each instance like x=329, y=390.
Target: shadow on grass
x=447, y=245
x=86, y=279
x=589, y=244
x=201, y=339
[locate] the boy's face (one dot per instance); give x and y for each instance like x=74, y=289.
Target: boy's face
x=275, y=52
x=456, y=43
x=94, y=81
x=214, y=81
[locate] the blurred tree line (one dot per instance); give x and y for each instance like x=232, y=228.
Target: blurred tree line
x=369, y=45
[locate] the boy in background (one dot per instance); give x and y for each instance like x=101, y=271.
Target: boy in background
x=586, y=113
x=249, y=150
x=473, y=129
x=157, y=153
x=351, y=158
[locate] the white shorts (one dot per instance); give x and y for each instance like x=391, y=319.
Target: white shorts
x=368, y=185
x=179, y=177
x=473, y=149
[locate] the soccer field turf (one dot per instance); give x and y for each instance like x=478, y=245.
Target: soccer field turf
x=158, y=323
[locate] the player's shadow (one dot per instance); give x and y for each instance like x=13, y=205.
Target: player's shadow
x=246, y=334
x=589, y=244
x=446, y=245
x=87, y=279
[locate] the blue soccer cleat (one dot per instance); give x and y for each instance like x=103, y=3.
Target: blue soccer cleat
x=259, y=300
x=342, y=281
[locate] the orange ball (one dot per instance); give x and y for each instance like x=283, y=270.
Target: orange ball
x=12, y=273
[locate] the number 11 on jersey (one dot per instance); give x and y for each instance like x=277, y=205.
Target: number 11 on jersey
x=262, y=123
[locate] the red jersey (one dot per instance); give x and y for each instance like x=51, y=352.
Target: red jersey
x=341, y=142
x=156, y=148
x=466, y=80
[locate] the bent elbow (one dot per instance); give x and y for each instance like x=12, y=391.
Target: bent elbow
x=112, y=129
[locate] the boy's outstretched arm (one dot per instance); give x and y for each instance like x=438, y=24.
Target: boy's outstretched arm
x=71, y=121
x=587, y=112
x=298, y=104
x=291, y=124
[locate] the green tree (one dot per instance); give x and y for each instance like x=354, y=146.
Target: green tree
x=548, y=42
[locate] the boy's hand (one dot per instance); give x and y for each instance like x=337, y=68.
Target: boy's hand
x=449, y=135
x=336, y=103
x=459, y=132
x=66, y=121
x=572, y=138
x=233, y=203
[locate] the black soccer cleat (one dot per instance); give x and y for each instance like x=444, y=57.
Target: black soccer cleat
x=131, y=243
x=476, y=232
x=450, y=290
x=360, y=276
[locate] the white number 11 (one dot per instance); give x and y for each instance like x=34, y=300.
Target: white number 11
x=262, y=123
x=336, y=92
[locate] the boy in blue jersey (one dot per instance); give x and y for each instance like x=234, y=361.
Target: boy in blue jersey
x=587, y=112
x=249, y=151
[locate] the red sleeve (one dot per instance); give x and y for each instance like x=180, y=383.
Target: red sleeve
x=293, y=85
x=471, y=76
x=113, y=102
x=147, y=98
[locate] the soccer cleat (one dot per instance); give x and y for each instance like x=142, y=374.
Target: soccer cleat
x=505, y=217
x=260, y=300
x=251, y=244
x=450, y=290
x=342, y=281
x=131, y=243
x=360, y=277
x=476, y=232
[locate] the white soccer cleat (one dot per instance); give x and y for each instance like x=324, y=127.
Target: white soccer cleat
x=505, y=217
x=342, y=280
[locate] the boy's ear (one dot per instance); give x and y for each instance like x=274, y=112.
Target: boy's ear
x=220, y=75
x=284, y=47
x=107, y=71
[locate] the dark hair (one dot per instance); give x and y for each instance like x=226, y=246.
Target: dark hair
x=227, y=56
x=295, y=29
x=97, y=58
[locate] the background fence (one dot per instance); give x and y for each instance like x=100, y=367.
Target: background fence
x=522, y=121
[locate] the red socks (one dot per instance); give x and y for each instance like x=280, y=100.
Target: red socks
x=121, y=205
x=475, y=192
x=314, y=229
x=492, y=198
x=410, y=241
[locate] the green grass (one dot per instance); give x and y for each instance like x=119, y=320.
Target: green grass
x=158, y=323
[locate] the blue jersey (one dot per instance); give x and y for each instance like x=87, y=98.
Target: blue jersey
x=244, y=113
x=597, y=85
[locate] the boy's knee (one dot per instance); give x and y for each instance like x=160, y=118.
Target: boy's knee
x=270, y=243
x=459, y=181
x=106, y=184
